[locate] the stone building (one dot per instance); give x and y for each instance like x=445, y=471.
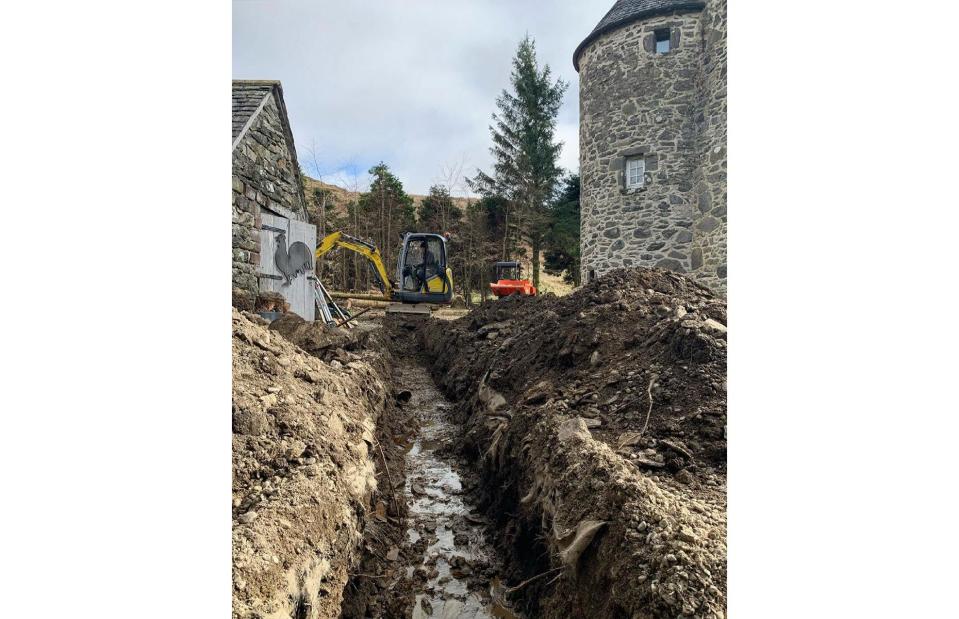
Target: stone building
x=267, y=196
x=653, y=139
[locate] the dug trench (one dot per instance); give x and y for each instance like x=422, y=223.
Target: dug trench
x=539, y=457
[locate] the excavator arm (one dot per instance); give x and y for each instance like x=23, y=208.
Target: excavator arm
x=367, y=250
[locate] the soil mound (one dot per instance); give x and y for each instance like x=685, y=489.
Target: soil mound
x=599, y=419
x=318, y=339
x=303, y=475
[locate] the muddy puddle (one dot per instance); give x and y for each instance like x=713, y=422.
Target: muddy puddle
x=455, y=569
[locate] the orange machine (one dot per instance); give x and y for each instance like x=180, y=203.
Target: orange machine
x=508, y=281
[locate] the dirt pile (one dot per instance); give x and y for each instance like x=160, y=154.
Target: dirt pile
x=320, y=340
x=598, y=421
x=303, y=470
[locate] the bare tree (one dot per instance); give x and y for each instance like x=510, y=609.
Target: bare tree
x=451, y=178
x=318, y=175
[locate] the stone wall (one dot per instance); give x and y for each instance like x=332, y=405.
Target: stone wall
x=265, y=175
x=709, y=230
x=670, y=109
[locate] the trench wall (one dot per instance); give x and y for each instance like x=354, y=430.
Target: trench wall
x=614, y=541
x=304, y=472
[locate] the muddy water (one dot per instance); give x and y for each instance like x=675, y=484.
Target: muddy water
x=458, y=574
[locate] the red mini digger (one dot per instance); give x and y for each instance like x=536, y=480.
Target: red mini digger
x=507, y=276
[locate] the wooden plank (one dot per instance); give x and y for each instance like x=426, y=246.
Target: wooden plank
x=299, y=292
x=302, y=287
x=267, y=250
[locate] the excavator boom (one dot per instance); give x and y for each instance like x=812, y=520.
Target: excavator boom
x=367, y=250
x=422, y=272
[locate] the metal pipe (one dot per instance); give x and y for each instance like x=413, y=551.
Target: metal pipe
x=363, y=297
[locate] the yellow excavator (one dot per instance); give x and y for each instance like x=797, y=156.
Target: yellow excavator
x=422, y=273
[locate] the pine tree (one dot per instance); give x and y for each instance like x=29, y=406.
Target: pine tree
x=526, y=156
x=562, y=240
x=388, y=210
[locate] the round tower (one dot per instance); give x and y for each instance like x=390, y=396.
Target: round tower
x=653, y=139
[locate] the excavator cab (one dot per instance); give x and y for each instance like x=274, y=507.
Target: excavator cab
x=422, y=272
x=506, y=270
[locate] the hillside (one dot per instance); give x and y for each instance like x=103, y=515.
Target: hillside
x=341, y=196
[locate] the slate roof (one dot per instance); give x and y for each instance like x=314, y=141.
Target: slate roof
x=627, y=11
x=247, y=96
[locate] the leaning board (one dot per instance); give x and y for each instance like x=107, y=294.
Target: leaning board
x=299, y=292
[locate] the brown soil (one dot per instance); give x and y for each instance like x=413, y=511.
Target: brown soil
x=327, y=343
x=586, y=439
x=598, y=422
x=303, y=475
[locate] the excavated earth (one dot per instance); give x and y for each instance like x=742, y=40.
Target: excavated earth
x=305, y=476
x=539, y=457
x=346, y=498
x=597, y=422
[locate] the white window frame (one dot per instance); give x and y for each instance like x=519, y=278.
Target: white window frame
x=635, y=172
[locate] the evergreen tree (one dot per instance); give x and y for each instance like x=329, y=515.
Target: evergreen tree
x=526, y=156
x=388, y=211
x=437, y=212
x=562, y=240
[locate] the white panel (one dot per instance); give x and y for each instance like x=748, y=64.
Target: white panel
x=299, y=292
x=302, y=287
x=267, y=250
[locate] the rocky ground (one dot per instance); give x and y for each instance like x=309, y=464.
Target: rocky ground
x=598, y=423
x=440, y=563
x=304, y=475
x=577, y=469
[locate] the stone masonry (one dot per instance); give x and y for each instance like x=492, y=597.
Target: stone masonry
x=265, y=175
x=668, y=109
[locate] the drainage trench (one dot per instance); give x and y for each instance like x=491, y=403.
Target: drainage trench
x=443, y=562
x=458, y=575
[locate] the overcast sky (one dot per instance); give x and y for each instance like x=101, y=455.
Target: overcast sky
x=409, y=82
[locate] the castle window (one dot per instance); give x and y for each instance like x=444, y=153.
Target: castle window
x=635, y=172
x=662, y=40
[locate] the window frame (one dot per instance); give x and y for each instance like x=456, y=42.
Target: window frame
x=641, y=161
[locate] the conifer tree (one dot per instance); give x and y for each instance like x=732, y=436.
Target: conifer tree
x=562, y=240
x=388, y=209
x=437, y=211
x=526, y=170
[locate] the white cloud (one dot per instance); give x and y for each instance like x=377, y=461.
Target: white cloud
x=411, y=83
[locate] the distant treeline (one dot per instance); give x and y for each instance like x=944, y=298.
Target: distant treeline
x=528, y=205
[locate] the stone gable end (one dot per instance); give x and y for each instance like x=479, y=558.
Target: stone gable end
x=265, y=176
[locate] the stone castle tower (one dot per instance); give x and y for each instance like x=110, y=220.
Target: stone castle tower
x=653, y=139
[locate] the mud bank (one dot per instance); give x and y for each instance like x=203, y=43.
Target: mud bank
x=597, y=421
x=304, y=469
